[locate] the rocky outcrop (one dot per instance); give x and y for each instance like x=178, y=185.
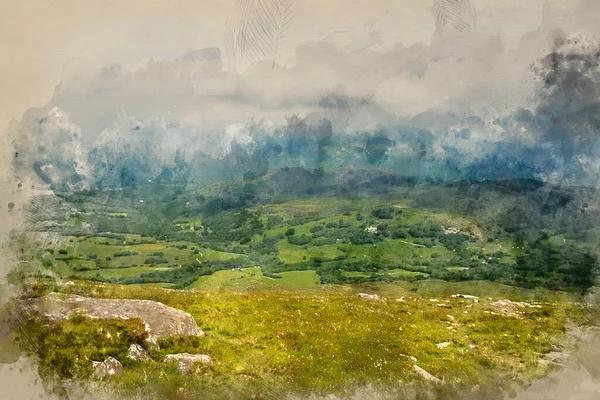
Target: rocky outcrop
x=108, y=367
x=161, y=321
x=185, y=362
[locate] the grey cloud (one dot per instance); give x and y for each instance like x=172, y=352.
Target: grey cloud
x=462, y=96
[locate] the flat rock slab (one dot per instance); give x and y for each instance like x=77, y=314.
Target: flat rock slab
x=161, y=321
x=186, y=361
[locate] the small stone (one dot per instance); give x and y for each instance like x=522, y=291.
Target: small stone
x=137, y=352
x=442, y=345
x=185, y=361
x=426, y=374
x=366, y=296
x=411, y=358
x=109, y=367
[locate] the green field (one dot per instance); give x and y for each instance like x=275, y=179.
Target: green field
x=120, y=272
x=253, y=278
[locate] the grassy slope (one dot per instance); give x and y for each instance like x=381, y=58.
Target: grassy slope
x=327, y=339
x=290, y=333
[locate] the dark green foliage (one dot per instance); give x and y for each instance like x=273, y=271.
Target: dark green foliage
x=316, y=228
x=299, y=240
x=383, y=213
x=399, y=235
x=566, y=267
x=273, y=221
x=157, y=260
x=126, y=253
x=453, y=241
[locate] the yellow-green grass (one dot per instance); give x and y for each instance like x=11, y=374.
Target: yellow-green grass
x=394, y=273
x=129, y=272
x=174, y=255
x=355, y=274
x=394, y=252
x=291, y=253
x=397, y=272
x=327, y=340
x=253, y=278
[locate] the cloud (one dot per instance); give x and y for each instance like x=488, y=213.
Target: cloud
x=464, y=99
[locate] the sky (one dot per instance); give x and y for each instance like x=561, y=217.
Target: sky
x=39, y=37
x=93, y=70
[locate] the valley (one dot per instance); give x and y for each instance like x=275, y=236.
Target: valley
x=314, y=293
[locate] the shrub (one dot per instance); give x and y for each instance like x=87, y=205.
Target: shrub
x=299, y=240
x=126, y=253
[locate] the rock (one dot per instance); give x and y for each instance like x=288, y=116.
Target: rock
x=108, y=367
x=152, y=342
x=366, y=296
x=161, y=321
x=442, y=345
x=511, y=308
x=467, y=296
x=186, y=361
x=426, y=374
x=137, y=352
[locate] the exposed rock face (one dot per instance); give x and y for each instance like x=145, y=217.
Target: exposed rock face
x=137, y=352
x=186, y=361
x=161, y=321
x=109, y=367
